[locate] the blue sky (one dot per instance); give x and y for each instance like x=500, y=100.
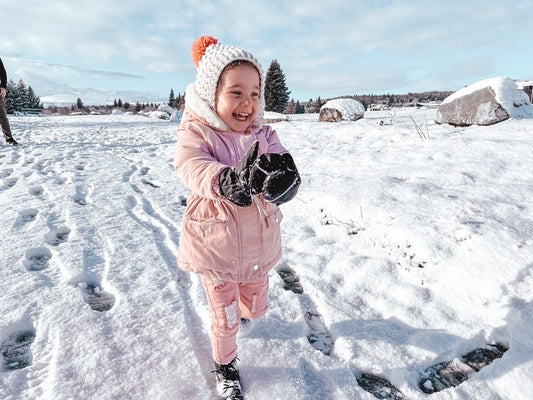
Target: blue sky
x=326, y=48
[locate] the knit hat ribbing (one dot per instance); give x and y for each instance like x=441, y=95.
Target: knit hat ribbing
x=210, y=58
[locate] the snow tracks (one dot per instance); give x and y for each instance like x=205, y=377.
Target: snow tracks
x=440, y=376
x=320, y=338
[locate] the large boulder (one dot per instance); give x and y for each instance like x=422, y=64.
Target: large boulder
x=337, y=110
x=485, y=103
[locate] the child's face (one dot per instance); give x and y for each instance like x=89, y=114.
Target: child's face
x=238, y=97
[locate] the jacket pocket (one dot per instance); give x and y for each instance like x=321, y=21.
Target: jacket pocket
x=212, y=244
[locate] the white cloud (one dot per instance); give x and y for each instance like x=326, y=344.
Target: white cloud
x=325, y=46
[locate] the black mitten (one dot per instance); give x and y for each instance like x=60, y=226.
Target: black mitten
x=263, y=166
x=276, y=176
x=235, y=181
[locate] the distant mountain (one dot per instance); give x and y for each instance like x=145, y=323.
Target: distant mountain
x=90, y=96
x=53, y=93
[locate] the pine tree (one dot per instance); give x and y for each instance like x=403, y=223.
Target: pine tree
x=33, y=100
x=11, y=97
x=20, y=95
x=299, y=108
x=276, y=91
x=79, y=104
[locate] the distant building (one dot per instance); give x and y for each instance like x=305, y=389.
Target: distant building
x=378, y=107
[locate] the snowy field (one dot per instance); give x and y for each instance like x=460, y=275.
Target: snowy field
x=412, y=243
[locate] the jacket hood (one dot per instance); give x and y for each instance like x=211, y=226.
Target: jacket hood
x=199, y=107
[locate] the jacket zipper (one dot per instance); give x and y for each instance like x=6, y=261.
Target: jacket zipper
x=237, y=219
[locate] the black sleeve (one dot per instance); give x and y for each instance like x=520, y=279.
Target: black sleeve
x=3, y=75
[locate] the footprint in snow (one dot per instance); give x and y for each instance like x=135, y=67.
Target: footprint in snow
x=97, y=298
x=81, y=196
x=379, y=387
x=57, y=236
x=6, y=172
x=318, y=334
x=36, y=190
x=12, y=181
x=452, y=373
x=150, y=183
x=16, y=349
x=28, y=215
x=37, y=258
x=291, y=281
x=24, y=217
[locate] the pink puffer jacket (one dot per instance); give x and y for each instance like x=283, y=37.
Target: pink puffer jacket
x=219, y=238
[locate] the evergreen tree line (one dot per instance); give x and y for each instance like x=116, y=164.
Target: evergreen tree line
x=20, y=96
x=116, y=104
x=126, y=105
x=277, y=96
x=400, y=100
x=367, y=100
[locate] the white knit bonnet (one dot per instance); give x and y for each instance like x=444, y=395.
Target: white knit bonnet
x=210, y=58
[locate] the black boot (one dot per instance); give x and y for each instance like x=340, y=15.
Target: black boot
x=228, y=380
x=10, y=140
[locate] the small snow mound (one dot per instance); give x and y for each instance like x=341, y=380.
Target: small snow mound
x=159, y=115
x=270, y=117
x=116, y=112
x=350, y=109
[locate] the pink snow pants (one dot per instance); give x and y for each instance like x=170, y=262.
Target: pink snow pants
x=227, y=304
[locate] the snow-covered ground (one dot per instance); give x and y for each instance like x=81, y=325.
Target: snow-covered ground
x=413, y=243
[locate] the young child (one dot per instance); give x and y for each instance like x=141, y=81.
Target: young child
x=238, y=173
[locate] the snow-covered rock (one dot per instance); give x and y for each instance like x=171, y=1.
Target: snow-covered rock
x=116, y=112
x=485, y=103
x=166, y=108
x=341, y=109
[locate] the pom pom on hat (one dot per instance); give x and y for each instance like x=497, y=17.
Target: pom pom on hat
x=199, y=47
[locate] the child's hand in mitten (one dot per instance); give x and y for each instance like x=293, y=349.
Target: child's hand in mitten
x=276, y=176
x=235, y=181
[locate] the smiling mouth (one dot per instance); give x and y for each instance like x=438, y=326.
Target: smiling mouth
x=241, y=116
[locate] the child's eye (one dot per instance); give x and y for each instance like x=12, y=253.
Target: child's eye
x=254, y=94
x=236, y=92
